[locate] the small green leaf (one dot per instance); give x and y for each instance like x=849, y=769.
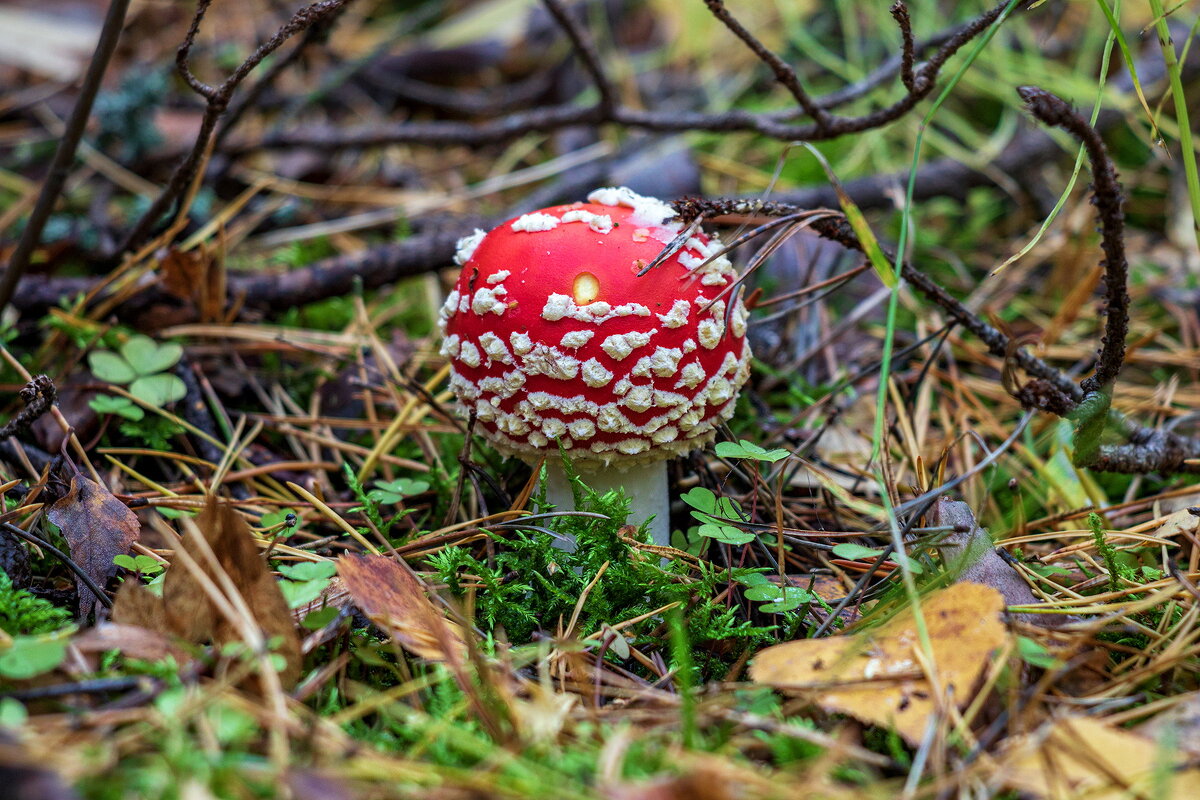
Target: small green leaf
x=148, y=357
x=750, y=578
x=158, y=390
x=147, y=565
x=121, y=406
x=274, y=518
x=30, y=656
x=299, y=593
x=308, y=570
x=745, y=449
x=315, y=620
x=1034, y=654
x=700, y=499
x=403, y=486
x=855, y=552
x=108, y=366
x=913, y=565
x=730, y=450
x=781, y=598
x=125, y=561
x=726, y=534
x=12, y=713
x=385, y=498
x=764, y=591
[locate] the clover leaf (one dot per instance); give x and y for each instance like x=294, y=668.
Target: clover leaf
x=392, y=492
x=140, y=563
x=714, y=513
x=121, y=406
x=778, y=599
x=726, y=534
x=28, y=656
x=745, y=449
x=141, y=364
x=306, y=581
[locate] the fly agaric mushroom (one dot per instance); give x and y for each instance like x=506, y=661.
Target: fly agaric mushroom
x=554, y=341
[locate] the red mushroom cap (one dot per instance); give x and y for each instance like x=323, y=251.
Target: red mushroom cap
x=553, y=338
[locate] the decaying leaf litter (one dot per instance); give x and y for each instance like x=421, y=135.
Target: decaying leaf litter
x=964, y=564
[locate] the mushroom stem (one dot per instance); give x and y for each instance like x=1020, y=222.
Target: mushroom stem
x=644, y=484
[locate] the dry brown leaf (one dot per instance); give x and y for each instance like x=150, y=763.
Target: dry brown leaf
x=98, y=527
x=875, y=675
x=191, y=613
x=133, y=641
x=1086, y=757
x=136, y=605
x=392, y=597
x=182, y=272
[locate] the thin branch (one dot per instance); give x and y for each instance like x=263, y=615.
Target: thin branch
x=1108, y=200
x=585, y=48
x=907, y=55
x=553, y=118
x=273, y=292
x=1148, y=449
x=64, y=155
x=784, y=73
x=37, y=395
x=251, y=97
x=218, y=99
x=61, y=556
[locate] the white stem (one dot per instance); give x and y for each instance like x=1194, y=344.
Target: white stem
x=644, y=484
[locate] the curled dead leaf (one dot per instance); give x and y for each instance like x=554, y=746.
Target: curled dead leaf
x=133, y=641
x=394, y=599
x=188, y=608
x=876, y=676
x=98, y=527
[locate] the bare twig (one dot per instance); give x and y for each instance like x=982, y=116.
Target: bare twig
x=783, y=72
x=250, y=98
x=1148, y=450
x=585, y=48
x=907, y=55
x=217, y=101
x=1107, y=198
x=61, y=556
x=38, y=395
x=64, y=155
x=552, y=118
x=271, y=292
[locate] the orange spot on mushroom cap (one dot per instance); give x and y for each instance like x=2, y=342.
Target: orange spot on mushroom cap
x=586, y=288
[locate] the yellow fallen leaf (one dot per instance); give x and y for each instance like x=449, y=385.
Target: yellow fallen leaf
x=875, y=675
x=1081, y=756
